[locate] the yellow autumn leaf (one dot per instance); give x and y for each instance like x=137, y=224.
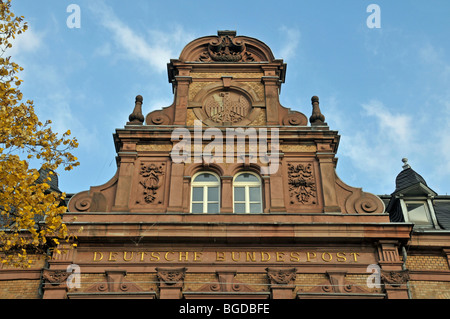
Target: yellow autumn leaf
x=22, y=200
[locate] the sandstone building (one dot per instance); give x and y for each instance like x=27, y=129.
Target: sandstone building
x=228, y=194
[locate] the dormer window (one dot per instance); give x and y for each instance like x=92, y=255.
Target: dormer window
x=411, y=202
x=417, y=212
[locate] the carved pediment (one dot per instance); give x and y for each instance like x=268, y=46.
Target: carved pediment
x=226, y=47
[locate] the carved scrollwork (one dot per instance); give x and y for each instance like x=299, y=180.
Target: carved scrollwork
x=363, y=203
x=115, y=282
x=158, y=118
x=355, y=201
x=83, y=204
x=302, y=185
x=295, y=119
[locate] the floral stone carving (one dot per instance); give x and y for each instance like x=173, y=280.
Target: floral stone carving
x=302, y=185
x=151, y=180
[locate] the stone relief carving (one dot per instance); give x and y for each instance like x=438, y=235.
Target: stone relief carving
x=302, y=185
x=150, y=177
x=226, y=48
x=158, y=118
x=282, y=276
x=228, y=107
x=395, y=278
x=226, y=282
x=171, y=276
x=55, y=277
x=295, y=119
x=355, y=201
x=115, y=282
x=336, y=284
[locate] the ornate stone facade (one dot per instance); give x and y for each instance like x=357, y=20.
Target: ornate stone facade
x=294, y=231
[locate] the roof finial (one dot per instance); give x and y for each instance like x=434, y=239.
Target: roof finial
x=317, y=118
x=405, y=163
x=136, y=118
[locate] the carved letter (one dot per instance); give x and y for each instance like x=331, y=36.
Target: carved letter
x=100, y=257
x=341, y=257
x=310, y=255
x=295, y=256
x=280, y=257
x=330, y=257
x=220, y=256
x=112, y=256
x=125, y=256
x=265, y=256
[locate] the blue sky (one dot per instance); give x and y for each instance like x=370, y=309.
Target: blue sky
x=386, y=90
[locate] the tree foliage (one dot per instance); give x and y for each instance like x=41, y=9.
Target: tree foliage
x=31, y=213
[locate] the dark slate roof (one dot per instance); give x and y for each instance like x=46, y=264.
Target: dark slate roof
x=406, y=178
x=53, y=183
x=442, y=210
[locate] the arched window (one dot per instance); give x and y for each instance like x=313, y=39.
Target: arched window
x=247, y=197
x=205, y=192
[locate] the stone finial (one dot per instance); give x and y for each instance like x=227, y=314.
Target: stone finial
x=405, y=163
x=317, y=117
x=136, y=118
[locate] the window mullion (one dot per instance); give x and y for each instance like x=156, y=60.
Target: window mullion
x=247, y=199
x=205, y=199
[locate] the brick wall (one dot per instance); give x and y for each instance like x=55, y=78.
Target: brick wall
x=421, y=262
x=305, y=282
x=20, y=289
x=429, y=290
x=19, y=283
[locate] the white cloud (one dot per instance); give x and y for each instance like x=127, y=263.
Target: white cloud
x=375, y=144
x=29, y=41
x=397, y=128
x=156, y=48
x=292, y=40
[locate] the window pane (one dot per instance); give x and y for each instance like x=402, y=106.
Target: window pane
x=213, y=194
x=197, y=194
x=206, y=177
x=213, y=208
x=239, y=208
x=417, y=213
x=255, y=194
x=239, y=194
x=246, y=177
x=197, y=208
x=255, y=208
